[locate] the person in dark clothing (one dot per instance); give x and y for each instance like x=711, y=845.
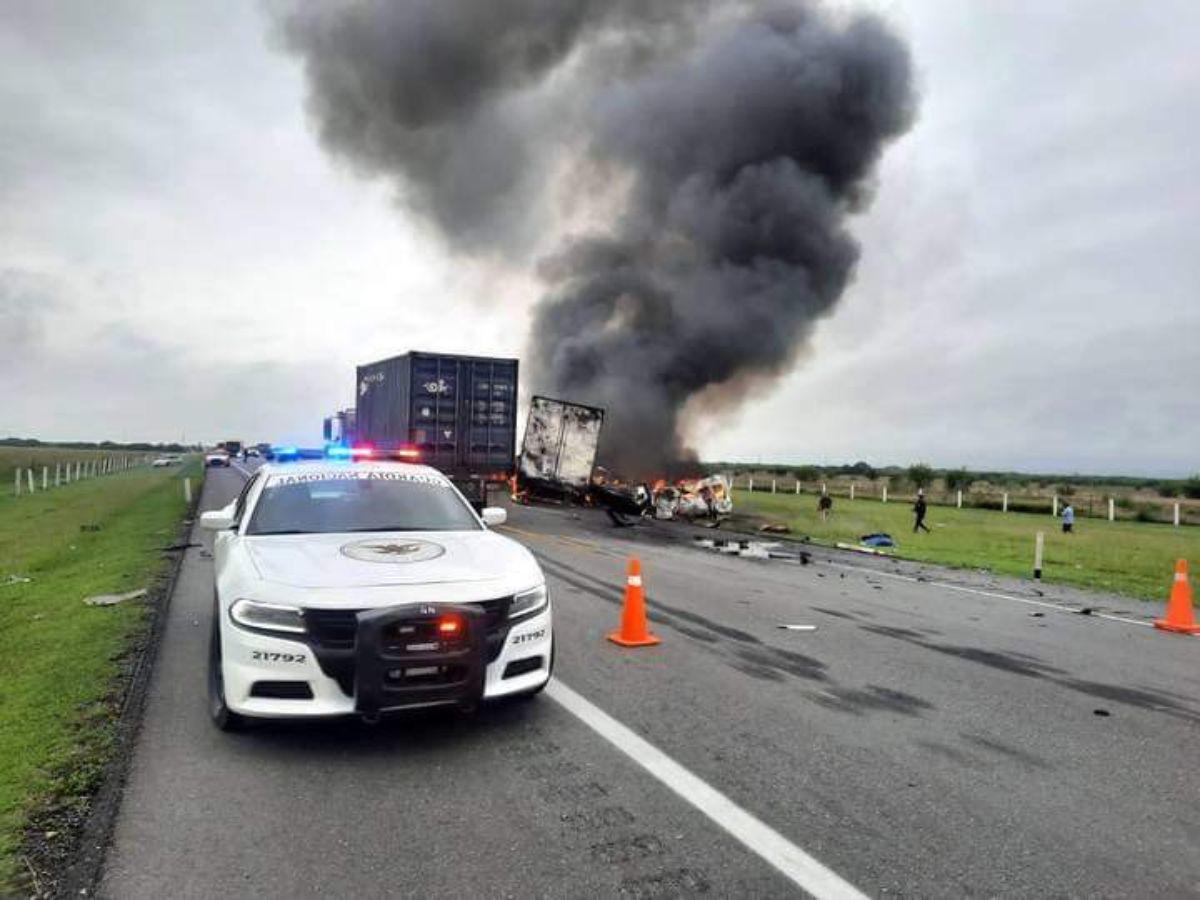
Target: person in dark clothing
x=919, y=510
x=825, y=506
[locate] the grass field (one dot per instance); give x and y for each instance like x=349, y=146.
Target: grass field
x=1132, y=558
x=58, y=657
x=12, y=458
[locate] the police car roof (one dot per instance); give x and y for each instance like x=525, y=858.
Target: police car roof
x=316, y=466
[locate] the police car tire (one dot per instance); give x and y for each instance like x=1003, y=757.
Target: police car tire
x=221, y=715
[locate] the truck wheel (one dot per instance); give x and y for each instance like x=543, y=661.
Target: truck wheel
x=224, y=718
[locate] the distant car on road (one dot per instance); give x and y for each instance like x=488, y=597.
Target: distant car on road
x=366, y=587
x=216, y=458
x=163, y=461
x=252, y=453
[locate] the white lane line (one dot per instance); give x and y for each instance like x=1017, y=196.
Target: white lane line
x=245, y=472
x=793, y=863
x=983, y=593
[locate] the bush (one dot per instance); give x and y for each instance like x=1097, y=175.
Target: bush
x=920, y=475
x=1066, y=490
x=1191, y=488
x=958, y=479
x=1167, y=489
x=1124, y=503
x=807, y=473
x=1148, y=513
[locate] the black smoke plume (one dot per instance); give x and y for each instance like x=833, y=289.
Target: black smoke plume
x=727, y=144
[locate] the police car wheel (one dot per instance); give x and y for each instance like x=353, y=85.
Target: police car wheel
x=224, y=718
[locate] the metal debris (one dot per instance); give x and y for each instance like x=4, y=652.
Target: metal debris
x=798, y=627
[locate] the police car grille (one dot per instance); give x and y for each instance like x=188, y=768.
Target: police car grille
x=335, y=629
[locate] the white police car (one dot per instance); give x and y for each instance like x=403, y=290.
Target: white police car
x=364, y=587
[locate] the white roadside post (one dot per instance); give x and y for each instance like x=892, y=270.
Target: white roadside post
x=45, y=478
x=797, y=485
x=57, y=474
x=1004, y=507
x=960, y=498
x=1054, y=507
x=1038, y=546
x=852, y=490
x=1176, y=513
x=884, y=498
x=187, y=490
x=751, y=480
x=29, y=474
x=17, y=486
x=823, y=488
x=1112, y=511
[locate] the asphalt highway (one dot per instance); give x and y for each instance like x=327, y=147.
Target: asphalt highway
x=921, y=741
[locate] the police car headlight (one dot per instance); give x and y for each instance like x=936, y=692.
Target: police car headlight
x=267, y=616
x=529, y=601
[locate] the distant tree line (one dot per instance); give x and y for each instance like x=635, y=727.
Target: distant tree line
x=97, y=445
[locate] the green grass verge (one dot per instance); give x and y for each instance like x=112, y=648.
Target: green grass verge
x=58, y=657
x=1131, y=558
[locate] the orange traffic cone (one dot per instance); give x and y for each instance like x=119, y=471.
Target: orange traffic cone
x=634, y=631
x=1180, y=616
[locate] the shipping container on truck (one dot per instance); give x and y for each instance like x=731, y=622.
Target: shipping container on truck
x=558, y=453
x=459, y=412
x=340, y=427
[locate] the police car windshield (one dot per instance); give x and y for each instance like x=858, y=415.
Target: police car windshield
x=358, y=500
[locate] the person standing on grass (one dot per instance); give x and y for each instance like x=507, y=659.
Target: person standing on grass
x=824, y=506
x=1068, y=517
x=919, y=510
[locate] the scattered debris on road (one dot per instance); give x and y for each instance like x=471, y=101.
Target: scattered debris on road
x=873, y=551
x=774, y=528
x=114, y=599
x=797, y=627
x=1101, y=712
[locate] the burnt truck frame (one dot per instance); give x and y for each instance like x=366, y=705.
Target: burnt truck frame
x=558, y=451
x=459, y=412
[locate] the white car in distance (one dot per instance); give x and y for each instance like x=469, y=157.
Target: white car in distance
x=364, y=588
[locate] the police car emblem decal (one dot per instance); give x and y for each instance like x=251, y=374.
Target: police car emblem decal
x=397, y=551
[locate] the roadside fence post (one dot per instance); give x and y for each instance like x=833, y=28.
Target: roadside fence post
x=17, y=487
x=57, y=474
x=852, y=490
x=823, y=488
x=797, y=485
x=45, y=478
x=1176, y=513
x=29, y=475
x=1038, y=546
x=1054, y=507
x=885, y=493
x=1004, y=508
x=960, y=498
x=751, y=488
x=1112, y=511
x=772, y=485
x=187, y=490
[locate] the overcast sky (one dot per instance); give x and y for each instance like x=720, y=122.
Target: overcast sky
x=179, y=256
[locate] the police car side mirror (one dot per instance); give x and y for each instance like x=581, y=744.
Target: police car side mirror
x=217, y=519
x=494, y=515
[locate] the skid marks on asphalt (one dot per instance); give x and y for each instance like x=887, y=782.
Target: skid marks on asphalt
x=750, y=655
x=596, y=823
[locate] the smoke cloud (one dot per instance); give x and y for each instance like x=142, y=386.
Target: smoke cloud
x=721, y=146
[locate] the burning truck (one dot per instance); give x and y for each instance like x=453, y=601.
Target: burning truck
x=558, y=462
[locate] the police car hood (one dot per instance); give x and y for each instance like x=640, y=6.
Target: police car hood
x=392, y=558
